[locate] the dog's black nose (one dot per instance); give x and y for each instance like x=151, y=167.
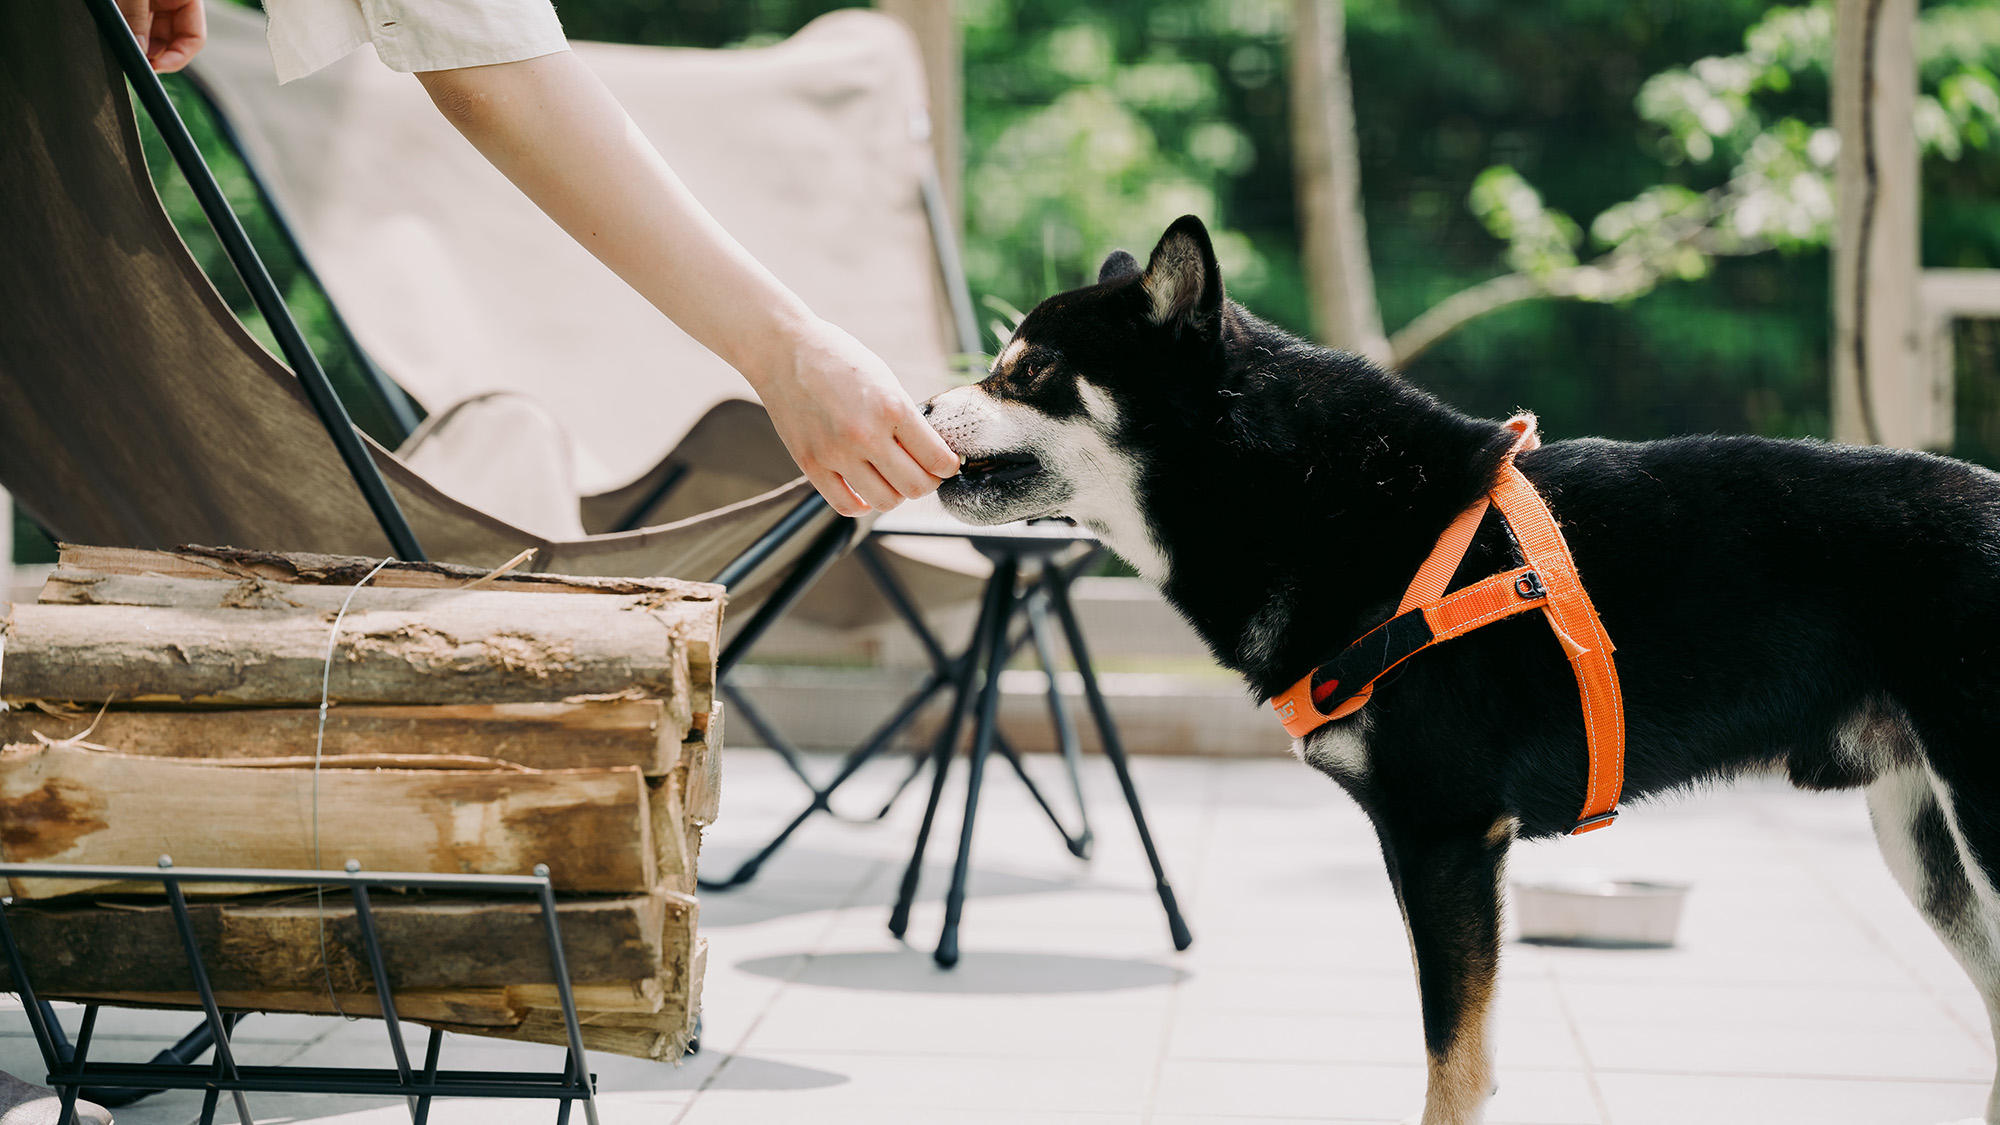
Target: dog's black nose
x=925, y=410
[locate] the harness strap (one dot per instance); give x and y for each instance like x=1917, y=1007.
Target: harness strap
x=1426, y=616
x=1576, y=624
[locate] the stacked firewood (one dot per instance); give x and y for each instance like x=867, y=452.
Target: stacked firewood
x=169, y=704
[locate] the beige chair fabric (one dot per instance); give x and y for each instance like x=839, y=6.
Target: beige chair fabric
x=135, y=409
x=810, y=152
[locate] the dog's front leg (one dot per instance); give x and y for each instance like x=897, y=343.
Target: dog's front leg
x=1449, y=889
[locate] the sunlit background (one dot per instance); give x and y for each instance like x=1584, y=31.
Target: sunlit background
x=1663, y=166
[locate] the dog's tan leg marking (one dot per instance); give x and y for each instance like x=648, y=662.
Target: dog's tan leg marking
x=1915, y=827
x=1461, y=1079
x=1449, y=889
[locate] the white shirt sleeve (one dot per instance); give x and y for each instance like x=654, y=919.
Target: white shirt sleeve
x=411, y=35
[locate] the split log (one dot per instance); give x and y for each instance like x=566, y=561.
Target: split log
x=663, y=1035
x=440, y=943
x=703, y=791
x=452, y=963
x=480, y=648
x=543, y=736
x=347, y=570
x=483, y=1011
x=698, y=621
x=66, y=804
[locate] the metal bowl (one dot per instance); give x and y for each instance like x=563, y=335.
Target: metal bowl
x=1605, y=913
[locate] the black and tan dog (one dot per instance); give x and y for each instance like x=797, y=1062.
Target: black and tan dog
x=1828, y=609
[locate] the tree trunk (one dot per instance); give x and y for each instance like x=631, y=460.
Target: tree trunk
x=1333, y=238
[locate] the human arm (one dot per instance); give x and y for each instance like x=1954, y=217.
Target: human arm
x=552, y=128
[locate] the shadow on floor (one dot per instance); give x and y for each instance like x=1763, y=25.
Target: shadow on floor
x=804, y=881
x=981, y=972
x=742, y=1072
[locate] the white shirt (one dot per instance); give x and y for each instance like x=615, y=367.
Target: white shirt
x=411, y=35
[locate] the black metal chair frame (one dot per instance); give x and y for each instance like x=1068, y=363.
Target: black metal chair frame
x=71, y=1071
x=69, y=1067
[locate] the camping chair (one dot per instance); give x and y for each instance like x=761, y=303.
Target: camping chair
x=814, y=153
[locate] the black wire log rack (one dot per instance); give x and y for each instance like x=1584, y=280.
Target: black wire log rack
x=71, y=1070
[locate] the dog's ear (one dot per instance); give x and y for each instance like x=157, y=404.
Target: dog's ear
x=1183, y=280
x=1117, y=264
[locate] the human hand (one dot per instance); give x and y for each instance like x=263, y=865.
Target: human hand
x=851, y=427
x=170, y=32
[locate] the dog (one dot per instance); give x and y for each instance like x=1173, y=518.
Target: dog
x=1830, y=610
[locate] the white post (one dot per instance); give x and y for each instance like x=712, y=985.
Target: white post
x=6, y=547
x=1333, y=239
x=1883, y=392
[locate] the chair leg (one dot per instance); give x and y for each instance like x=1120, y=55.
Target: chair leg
x=1107, y=731
x=1004, y=572
x=917, y=761
x=748, y=712
x=992, y=620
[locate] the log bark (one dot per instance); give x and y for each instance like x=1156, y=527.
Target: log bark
x=545, y=736
x=118, y=954
x=65, y=804
x=478, y=648
x=215, y=563
x=431, y=943
x=697, y=623
x=663, y=1035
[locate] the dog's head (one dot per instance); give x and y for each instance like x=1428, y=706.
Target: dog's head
x=1047, y=433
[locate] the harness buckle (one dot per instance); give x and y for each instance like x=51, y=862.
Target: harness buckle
x=1590, y=822
x=1530, y=587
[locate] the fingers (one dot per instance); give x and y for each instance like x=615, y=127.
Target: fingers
x=179, y=30
x=873, y=488
x=139, y=17
x=927, y=449
x=909, y=479
x=837, y=494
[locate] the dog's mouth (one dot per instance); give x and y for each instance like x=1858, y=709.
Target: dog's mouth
x=999, y=468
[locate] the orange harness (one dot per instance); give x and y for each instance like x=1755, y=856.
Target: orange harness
x=1426, y=616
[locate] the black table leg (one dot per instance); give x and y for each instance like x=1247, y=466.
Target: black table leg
x=1004, y=572
x=1115, y=750
x=992, y=621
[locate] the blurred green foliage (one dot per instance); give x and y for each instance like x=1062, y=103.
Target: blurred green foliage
x=1777, y=186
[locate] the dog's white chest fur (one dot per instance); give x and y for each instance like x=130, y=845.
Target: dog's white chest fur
x=1339, y=749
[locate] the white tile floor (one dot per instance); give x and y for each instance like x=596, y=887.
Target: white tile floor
x=1805, y=989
